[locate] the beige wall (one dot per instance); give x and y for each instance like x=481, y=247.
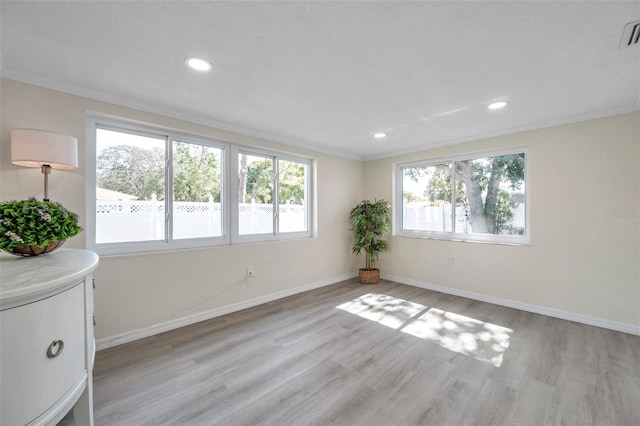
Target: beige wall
x=581, y=260
x=136, y=292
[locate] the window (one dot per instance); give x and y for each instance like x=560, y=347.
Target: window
x=130, y=182
x=197, y=190
x=272, y=196
x=158, y=190
x=478, y=198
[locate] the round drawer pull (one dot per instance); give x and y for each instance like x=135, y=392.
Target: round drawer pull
x=55, y=348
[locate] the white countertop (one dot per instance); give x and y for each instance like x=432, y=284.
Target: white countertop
x=26, y=279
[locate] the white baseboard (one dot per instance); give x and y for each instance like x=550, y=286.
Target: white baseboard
x=130, y=336
x=598, y=322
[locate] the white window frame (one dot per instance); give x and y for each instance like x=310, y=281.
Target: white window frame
x=236, y=238
x=398, y=196
x=229, y=197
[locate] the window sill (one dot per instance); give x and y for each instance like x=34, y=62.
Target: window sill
x=461, y=238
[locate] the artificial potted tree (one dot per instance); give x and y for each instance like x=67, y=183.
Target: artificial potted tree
x=371, y=223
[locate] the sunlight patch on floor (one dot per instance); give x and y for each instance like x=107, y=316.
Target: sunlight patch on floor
x=383, y=309
x=481, y=340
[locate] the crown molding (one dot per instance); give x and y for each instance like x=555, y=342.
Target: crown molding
x=177, y=114
x=284, y=140
x=511, y=131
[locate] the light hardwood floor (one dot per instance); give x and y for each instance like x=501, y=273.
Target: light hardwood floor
x=401, y=356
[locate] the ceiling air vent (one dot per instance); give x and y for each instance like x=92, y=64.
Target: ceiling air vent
x=631, y=35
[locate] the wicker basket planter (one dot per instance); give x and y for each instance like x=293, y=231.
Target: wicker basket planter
x=34, y=250
x=369, y=276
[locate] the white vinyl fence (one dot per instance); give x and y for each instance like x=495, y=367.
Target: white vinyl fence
x=422, y=216
x=125, y=220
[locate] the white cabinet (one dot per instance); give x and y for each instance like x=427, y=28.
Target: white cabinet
x=46, y=330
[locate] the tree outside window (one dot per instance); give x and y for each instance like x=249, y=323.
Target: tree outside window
x=478, y=196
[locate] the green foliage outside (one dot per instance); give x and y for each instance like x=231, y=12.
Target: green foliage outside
x=291, y=183
x=259, y=182
x=132, y=170
x=196, y=175
x=489, y=205
x=371, y=223
x=504, y=214
x=34, y=222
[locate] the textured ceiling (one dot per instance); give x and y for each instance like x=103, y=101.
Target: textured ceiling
x=327, y=75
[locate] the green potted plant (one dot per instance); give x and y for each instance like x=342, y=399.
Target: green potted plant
x=371, y=223
x=32, y=227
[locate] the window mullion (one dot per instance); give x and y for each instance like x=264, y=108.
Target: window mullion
x=234, y=194
x=168, y=190
x=454, y=196
x=308, y=203
x=276, y=196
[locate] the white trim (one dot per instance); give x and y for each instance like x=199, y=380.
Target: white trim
x=229, y=189
x=107, y=122
x=398, y=200
x=550, y=312
x=133, y=335
x=90, y=182
x=275, y=234
x=464, y=156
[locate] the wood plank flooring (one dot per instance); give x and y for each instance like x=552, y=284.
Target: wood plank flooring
x=401, y=356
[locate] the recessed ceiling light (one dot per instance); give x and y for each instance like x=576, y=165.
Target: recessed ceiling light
x=497, y=105
x=198, y=64
x=380, y=135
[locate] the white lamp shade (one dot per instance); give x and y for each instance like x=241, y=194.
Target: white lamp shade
x=35, y=148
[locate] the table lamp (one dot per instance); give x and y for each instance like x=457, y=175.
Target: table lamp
x=47, y=150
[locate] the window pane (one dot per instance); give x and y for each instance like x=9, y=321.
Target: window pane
x=129, y=187
x=426, y=201
x=197, y=185
x=491, y=198
x=255, y=194
x=292, y=196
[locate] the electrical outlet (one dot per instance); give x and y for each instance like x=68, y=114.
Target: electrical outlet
x=450, y=261
x=249, y=271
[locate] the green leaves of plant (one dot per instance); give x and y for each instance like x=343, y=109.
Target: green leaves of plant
x=371, y=222
x=35, y=222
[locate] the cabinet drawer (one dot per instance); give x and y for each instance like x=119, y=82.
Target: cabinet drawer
x=32, y=381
